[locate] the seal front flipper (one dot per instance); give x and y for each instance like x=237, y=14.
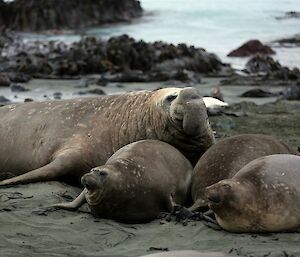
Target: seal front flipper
x=60, y=166
x=74, y=205
x=199, y=205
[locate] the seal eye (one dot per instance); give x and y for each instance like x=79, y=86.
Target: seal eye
x=171, y=98
x=194, y=97
x=102, y=173
x=226, y=186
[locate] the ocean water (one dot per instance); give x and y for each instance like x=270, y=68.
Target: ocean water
x=219, y=26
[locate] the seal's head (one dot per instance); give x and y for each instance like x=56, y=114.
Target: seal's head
x=186, y=109
x=233, y=205
x=98, y=185
x=184, y=115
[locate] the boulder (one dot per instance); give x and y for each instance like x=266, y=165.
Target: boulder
x=96, y=91
x=271, y=68
x=4, y=80
x=289, y=15
x=289, y=41
x=262, y=63
x=292, y=92
x=250, y=48
x=257, y=92
x=18, y=88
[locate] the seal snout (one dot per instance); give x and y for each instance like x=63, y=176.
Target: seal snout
x=90, y=181
x=213, y=195
x=214, y=198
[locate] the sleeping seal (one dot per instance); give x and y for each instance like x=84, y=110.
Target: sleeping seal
x=224, y=159
x=264, y=196
x=47, y=140
x=137, y=183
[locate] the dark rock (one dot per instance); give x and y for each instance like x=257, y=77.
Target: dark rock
x=120, y=59
x=4, y=80
x=289, y=41
x=18, y=88
x=4, y=99
x=57, y=15
x=57, y=95
x=250, y=48
x=258, y=93
x=292, y=92
x=28, y=100
x=271, y=68
x=262, y=63
x=290, y=15
x=96, y=91
x=6, y=35
x=101, y=83
x=17, y=77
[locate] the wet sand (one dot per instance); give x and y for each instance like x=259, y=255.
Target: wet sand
x=28, y=229
x=44, y=89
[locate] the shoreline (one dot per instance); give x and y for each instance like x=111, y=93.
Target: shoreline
x=69, y=88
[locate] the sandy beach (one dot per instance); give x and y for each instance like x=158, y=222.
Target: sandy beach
x=106, y=64
x=29, y=228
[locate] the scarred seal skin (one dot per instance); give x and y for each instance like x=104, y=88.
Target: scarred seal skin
x=264, y=196
x=225, y=158
x=47, y=140
x=137, y=183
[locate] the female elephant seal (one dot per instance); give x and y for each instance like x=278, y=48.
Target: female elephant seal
x=224, y=159
x=46, y=140
x=264, y=196
x=137, y=182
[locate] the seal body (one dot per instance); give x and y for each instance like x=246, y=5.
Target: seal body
x=224, y=159
x=47, y=140
x=138, y=182
x=264, y=196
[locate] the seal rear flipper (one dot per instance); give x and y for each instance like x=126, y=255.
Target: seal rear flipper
x=60, y=166
x=74, y=205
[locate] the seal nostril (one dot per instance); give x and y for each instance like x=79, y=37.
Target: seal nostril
x=94, y=170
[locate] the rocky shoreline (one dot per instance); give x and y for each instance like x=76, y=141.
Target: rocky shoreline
x=119, y=59
x=42, y=15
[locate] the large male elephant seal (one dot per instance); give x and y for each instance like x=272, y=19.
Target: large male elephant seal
x=264, y=196
x=137, y=183
x=46, y=140
x=224, y=159
x=188, y=253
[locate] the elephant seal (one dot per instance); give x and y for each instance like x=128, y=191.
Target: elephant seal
x=47, y=140
x=138, y=182
x=224, y=159
x=264, y=196
x=188, y=253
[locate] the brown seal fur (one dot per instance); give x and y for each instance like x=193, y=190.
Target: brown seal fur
x=46, y=140
x=264, y=196
x=188, y=253
x=137, y=183
x=224, y=159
